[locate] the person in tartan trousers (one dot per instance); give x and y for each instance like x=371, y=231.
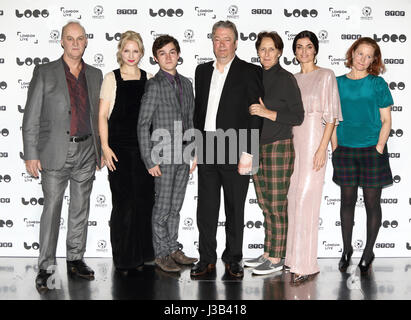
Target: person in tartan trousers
x=282, y=109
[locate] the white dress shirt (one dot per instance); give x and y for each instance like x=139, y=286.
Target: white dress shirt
x=216, y=88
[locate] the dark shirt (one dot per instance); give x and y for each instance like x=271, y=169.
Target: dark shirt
x=281, y=94
x=177, y=80
x=79, y=104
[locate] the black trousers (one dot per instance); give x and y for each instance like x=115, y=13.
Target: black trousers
x=235, y=186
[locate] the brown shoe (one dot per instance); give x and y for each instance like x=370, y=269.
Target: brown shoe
x=179, y=257
x=167, y=264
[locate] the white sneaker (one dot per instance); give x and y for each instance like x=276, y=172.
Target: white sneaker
x=255, y=262
x=268, y=267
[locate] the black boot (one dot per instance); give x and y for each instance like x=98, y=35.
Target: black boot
x=345, y=260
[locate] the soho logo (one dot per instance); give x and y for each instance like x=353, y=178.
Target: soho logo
x=261, y=11
x=35, y=13
x=399, y=85
x=396, y=155
x=394, y=13
x=126, y=11
x=252, y=36
x=398, y=132
x=392, y=38
x=393, y=61
x=396, y=108
x=33, y=201
x=388, y=245
x=396, y=179
x=304, y=13
x=29, y=61
x=3, y=85
x=168, y=12
x=5, y=178
x=256, y=246
x=4, y=132
x=345, y=36
x=2, y=37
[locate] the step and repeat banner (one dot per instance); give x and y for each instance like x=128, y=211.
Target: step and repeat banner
x=29, y=35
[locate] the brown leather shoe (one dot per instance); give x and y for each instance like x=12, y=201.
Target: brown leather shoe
x=201, y=269
x=179, y=257
x=235, y=269
x=167, y=264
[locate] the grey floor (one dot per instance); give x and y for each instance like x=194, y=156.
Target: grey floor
x=389, y=279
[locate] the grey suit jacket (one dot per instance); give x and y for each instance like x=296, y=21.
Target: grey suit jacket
x=159, y=109
x=46, y=121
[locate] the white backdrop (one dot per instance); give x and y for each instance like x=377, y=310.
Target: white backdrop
x=30, y=33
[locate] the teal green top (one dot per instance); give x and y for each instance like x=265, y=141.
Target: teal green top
x=361, y=101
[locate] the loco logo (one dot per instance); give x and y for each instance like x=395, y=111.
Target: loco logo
x=399, y=85
x=393, y=38
x=303, y=13
x=116, y=36
x=35, y=13
x=168, y=13
x=29, y=61
x=252, y=36
x=33, y=201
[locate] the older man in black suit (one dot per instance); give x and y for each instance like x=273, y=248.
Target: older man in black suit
x=225, y=89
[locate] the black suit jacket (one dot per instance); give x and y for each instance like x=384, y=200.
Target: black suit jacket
x=243, y=86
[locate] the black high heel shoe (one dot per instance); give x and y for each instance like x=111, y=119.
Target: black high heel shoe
x=365, y=265
x=345, y=260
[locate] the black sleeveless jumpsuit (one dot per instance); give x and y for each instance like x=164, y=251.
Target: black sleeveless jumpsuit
x=132, y=187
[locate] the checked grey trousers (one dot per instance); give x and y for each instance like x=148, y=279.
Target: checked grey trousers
x=170, y=189
x=79, y=169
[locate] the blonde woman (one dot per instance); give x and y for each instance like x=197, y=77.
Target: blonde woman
x=132, y=187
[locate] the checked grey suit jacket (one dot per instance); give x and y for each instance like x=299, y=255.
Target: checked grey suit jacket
x=159, y=109
x=46, y=121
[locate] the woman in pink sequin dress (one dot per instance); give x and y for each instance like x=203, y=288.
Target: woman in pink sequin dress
x=322, y=108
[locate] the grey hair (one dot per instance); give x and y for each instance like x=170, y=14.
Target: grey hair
x=225, y=24
x=72, y=22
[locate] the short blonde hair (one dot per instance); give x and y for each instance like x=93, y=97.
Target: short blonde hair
x=129, y=36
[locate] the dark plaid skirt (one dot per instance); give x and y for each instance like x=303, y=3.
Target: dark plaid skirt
x=364, y=167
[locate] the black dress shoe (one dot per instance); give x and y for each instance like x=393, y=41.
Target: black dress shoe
x=345, y=261
x=235, y=269
x=79, y=268
x=201, y=268
x=41, y=281
x=365, y=265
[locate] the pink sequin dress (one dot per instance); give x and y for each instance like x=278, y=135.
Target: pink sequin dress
x=319, y=92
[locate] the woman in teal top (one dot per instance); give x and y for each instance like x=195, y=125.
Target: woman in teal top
x=360, y=156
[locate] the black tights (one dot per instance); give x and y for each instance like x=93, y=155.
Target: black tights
x=372, y=199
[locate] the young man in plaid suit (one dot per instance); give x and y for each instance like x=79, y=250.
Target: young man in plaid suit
x=167, y=108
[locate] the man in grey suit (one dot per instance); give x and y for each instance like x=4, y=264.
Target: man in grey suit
x=167, y=106
x=60, y=137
